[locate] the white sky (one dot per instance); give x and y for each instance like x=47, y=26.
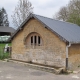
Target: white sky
x=41, y=7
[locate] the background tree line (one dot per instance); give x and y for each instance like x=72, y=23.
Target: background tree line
x=70, y=13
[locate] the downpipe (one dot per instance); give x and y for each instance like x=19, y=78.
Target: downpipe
x=67, y=47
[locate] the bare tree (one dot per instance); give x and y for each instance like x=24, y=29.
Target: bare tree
x=62, y=14
x=21, y=12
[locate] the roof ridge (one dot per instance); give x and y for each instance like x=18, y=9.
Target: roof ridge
x=43, y=16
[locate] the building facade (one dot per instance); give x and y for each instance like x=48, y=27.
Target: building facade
x=35, y=42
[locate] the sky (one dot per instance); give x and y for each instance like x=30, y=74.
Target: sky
x=47, y=8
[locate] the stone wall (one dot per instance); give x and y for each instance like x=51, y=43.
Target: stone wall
x=74, y=56
x=52, y=52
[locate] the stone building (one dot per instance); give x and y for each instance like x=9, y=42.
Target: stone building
x=46, y=41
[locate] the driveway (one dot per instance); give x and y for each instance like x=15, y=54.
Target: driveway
x=16, y=71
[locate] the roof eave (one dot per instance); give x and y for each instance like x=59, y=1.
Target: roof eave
x=78, y=42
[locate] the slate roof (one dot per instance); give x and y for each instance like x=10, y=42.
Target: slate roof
x=66, y=31
x=7, y=29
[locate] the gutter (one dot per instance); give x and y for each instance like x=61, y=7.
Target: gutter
x=67, y=47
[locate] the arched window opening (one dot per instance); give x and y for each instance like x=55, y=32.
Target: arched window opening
x=39, y=40
x=33, y=39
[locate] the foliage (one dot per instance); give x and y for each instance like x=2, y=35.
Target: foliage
x=21, y=12
x=3, y=18
x=70, y=13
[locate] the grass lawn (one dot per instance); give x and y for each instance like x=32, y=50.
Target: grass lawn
x=2, y=54
x=3, y=44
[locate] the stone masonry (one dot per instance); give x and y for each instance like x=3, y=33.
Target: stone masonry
x=52, y=52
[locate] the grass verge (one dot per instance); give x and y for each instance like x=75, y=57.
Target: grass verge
x=2, y=54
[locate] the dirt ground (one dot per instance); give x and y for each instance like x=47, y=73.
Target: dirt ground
x=16, y=71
